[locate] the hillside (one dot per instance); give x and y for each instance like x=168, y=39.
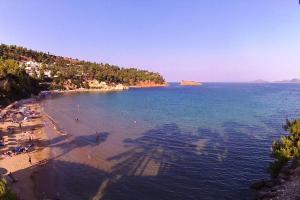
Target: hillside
x=57, y=72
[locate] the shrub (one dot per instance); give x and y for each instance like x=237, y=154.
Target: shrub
x=287, y=147
x=5, y=192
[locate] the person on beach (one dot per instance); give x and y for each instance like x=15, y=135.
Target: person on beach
x=77, y=113
x=29, y=159
x=30, y=137
x=20, y=125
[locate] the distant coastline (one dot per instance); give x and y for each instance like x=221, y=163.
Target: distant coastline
x=294, y=80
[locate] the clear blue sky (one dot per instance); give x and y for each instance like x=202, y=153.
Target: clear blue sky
x=203, y=40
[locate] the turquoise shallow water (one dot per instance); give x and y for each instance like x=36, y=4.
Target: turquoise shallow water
x=207, y=142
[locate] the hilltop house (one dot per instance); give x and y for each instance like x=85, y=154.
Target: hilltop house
x=32, y=67
x=47, y=73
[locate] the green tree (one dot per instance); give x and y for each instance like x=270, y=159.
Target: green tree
x=5, y=192
x=287, y=147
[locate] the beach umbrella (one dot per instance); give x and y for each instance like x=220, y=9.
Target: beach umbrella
x=19, y=117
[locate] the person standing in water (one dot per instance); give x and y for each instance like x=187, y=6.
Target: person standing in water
x=76, y=119
x=97, y=137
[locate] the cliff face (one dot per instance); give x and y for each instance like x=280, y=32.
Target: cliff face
x=148, y=84
x=190, y=83
x=96, y=84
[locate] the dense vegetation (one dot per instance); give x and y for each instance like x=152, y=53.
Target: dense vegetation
x=67, y=69
x=15, y=83
x=5, y=192
x=287, y=148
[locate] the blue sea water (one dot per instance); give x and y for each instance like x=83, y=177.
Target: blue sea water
x=207, y=142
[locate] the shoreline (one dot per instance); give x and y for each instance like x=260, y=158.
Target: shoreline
x=83, y=90
x=150, y=86
x=100, y=90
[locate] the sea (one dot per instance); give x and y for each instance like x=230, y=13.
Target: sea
x=177, y=142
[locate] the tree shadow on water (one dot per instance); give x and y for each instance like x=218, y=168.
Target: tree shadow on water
x=67, y=143
x=154, y=166
x=163, y=146
x=168, y=163
x=72, y=143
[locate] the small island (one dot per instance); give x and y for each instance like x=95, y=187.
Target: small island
x=190, y=83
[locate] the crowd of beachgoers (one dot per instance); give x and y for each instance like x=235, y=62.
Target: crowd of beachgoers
x=22, y=145
x=15, y=118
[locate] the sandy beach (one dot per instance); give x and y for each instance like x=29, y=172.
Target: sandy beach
x=22, y=144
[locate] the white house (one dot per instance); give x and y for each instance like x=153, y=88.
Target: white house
x=47, y=73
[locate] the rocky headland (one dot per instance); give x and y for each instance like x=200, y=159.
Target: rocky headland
x=148, y=84
x=189, y=83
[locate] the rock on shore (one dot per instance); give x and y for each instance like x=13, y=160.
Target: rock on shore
x=285, y=186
